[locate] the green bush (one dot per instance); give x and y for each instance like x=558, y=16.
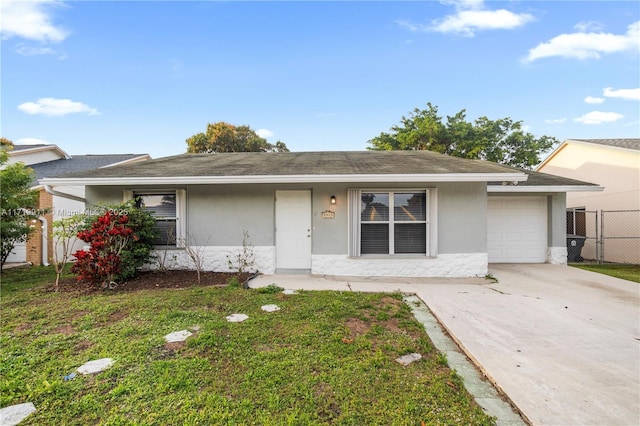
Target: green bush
x=138, y=250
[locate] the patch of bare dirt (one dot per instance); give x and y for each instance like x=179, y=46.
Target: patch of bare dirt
x=66, y=329
x=146, y=280
x=118, y=315
x=357, y=326
x=83, y=345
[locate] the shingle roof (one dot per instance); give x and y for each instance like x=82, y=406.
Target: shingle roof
x=198, y=168
x=618, y=143
x=299, y=163
x=78, y=163
x=546, y=179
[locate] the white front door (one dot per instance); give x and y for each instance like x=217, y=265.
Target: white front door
x=293, y=229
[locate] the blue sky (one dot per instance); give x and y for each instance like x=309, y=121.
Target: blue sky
x=98, y=77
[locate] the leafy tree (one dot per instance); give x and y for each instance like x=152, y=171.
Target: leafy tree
x=17, y=201
x=225, y=137
x=502, y=141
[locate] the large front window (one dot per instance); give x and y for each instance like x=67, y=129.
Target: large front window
x=392, y=222
x=163, y=208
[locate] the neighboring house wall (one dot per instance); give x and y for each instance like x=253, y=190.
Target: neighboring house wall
x=217, y=216
x=618, y=171
x=50, y=160
x=39, y=252
x=65, y=207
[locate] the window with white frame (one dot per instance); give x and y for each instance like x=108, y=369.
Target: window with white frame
x=165, y=206
x=390, y=222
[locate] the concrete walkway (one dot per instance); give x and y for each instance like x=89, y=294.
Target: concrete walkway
x=562, y=343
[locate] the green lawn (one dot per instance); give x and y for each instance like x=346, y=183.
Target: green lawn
x=324, y=358
x=626, y=272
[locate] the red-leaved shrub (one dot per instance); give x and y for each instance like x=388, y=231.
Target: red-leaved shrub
x=107, y=237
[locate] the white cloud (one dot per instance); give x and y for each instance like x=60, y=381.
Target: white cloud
x=24, y=50
x=32, y=141
x=583, y=45
x=56, y=107
x=30, y=20
x=467, y=22
x=411, y=26
x=598, y=117
x=593, y=100
x=34, y=51
x=264, y=133
x=470, y=17
x=583, y=27
x=628, y=94
x=556, y=120
x=464, y=4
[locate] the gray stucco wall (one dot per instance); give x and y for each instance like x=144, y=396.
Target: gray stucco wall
x=103, y=194
x=217, y=215
x=557, y=219
x=462, y=217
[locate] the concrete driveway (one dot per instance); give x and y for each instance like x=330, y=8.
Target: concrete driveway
x=562, y=343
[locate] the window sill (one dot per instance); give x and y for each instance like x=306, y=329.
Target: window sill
x=393, y=256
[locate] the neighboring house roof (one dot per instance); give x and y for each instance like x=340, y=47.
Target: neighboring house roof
x=331, y=166
x=82, y=163
x=617, y=143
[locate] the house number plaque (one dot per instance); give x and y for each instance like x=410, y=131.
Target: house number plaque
x=328, y=214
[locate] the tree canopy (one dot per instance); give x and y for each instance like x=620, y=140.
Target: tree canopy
x=17, y=201
x=501, y=141
x=225, y=137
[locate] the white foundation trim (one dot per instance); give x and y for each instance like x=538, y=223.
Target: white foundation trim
x=444, y=265
x=557, y=255
x=216, y=258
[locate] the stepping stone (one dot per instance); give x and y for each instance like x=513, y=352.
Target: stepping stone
x=270, y=308
x=14, y=414
x=237, y=317
x=408, y=359
x=177, y=336
x=289, y=291
x=95, y=366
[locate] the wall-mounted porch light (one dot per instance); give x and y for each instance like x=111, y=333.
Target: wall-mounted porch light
x=333, y=199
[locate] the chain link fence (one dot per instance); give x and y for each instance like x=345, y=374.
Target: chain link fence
x=611, y=236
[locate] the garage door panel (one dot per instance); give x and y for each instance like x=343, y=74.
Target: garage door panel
x=517, y=229
x=18, y=254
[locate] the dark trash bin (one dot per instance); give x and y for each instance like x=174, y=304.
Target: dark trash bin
x=574, y=247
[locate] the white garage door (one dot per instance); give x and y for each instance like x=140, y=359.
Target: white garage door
x=517, y=229
x=19, y=254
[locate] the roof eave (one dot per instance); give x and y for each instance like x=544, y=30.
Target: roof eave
x=36, y=149
x=544, y=188
x=351, y=178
